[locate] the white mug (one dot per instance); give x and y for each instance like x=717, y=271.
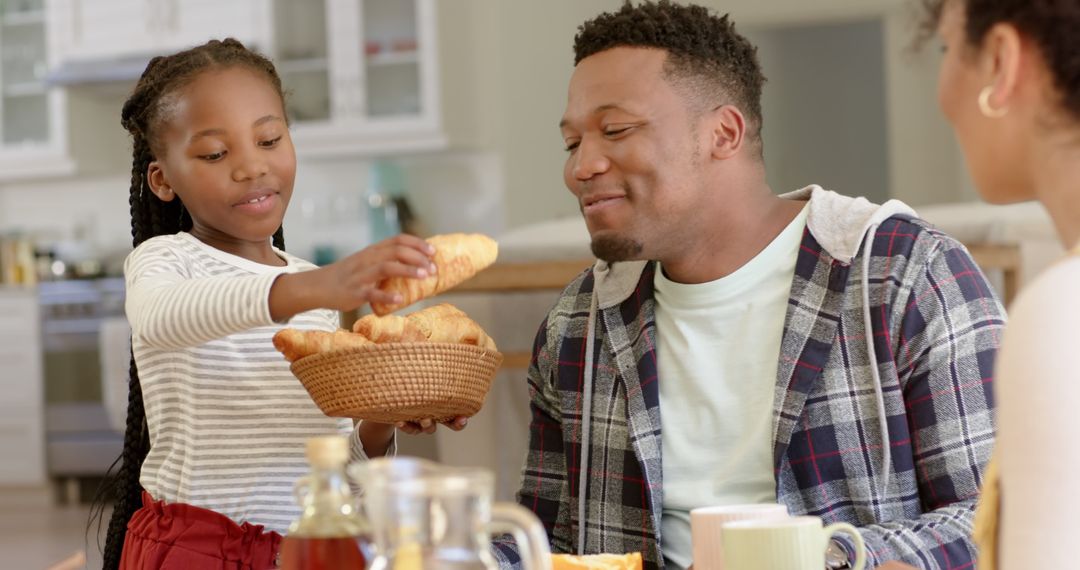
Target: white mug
x=706, y=523
x=794, y=543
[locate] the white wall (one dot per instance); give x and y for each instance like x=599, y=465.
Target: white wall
x=824, y=107
x=509, y=94
x=94, y=208
x=925, y=163
x=858, y=125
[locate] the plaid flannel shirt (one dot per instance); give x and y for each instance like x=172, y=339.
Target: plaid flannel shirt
x=936, y=326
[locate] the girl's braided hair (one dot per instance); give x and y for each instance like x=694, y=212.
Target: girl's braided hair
x=143, y=114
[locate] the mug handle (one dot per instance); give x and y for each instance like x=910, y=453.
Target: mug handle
x=860, y=547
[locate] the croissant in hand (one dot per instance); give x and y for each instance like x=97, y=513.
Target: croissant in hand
x=457, y=258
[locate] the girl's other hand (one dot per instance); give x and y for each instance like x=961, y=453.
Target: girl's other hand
x=429, y=426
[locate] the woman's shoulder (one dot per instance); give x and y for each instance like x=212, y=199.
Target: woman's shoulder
x=1053, y=294
x=1042, y=321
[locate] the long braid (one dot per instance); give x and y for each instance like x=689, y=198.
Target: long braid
x=150, y=217
x=279, y=238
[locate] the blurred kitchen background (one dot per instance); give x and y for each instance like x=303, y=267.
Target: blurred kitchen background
x=428, y=115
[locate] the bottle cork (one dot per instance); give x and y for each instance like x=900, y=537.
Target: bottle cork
x=328, y=451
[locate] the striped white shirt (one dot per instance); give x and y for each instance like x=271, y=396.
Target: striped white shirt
x=228, y=420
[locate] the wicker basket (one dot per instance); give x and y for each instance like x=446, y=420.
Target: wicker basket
x=400, y=381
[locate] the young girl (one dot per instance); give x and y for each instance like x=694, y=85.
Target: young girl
x=216, y=422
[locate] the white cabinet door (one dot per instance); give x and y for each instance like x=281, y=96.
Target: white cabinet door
x=31, y=132
x=22, y=439
x=379, y=91
x=19, y=374
x=22, y=445
x=99, y=29
x=94, y=29
x=188, y=23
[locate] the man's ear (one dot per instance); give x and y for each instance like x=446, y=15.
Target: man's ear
x=155, y=177
x=728, y=131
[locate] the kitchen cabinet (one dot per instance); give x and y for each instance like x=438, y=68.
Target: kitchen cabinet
x=31, y=114
x=362, y=75
x=101, y=29
x=22, y=439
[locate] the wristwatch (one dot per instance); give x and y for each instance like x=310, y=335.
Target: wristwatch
x=836, y=557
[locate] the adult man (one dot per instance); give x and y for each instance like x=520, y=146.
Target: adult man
x=732, y=346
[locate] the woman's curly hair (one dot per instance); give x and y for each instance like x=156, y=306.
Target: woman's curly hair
x=705, y=52
x=1052, y=25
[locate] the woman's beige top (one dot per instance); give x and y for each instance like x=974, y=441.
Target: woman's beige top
x=1029, y=516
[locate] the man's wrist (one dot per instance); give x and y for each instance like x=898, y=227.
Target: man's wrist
x=836, y=556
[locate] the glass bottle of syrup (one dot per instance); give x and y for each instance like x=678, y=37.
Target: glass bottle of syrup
x=330, y=534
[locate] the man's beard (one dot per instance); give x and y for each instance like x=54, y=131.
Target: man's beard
x=614, y=248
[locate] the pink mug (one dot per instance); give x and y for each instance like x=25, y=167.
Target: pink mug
x=706, y=522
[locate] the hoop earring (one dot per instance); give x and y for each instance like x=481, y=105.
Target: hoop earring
x=988, y=110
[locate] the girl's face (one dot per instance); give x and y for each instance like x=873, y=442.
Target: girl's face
x=225, y=151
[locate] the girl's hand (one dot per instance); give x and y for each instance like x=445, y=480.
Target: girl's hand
x=354, y=280
x=429, y=426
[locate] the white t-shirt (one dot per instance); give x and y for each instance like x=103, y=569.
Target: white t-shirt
x=228, y=420
x=718, y=348
x=1037, y=392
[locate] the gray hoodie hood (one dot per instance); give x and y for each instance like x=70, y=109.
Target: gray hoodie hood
x=840, y=224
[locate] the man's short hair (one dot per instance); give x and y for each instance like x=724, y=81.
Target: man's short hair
x=711, y=62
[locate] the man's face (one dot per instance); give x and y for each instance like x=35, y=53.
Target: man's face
x=634, y=154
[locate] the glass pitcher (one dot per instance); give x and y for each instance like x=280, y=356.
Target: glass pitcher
x=431, y=517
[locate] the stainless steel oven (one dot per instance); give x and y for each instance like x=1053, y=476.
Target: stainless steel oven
x=80, y=440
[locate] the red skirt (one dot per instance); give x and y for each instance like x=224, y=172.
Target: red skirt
x=168, y=536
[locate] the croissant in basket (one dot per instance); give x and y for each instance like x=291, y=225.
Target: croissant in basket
x=433, y=364
x=390, y=328
x=440, y=323
x=457, y=258
x=296, y=344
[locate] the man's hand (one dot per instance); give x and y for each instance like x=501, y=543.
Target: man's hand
x=428, y=426
x=376, y=437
